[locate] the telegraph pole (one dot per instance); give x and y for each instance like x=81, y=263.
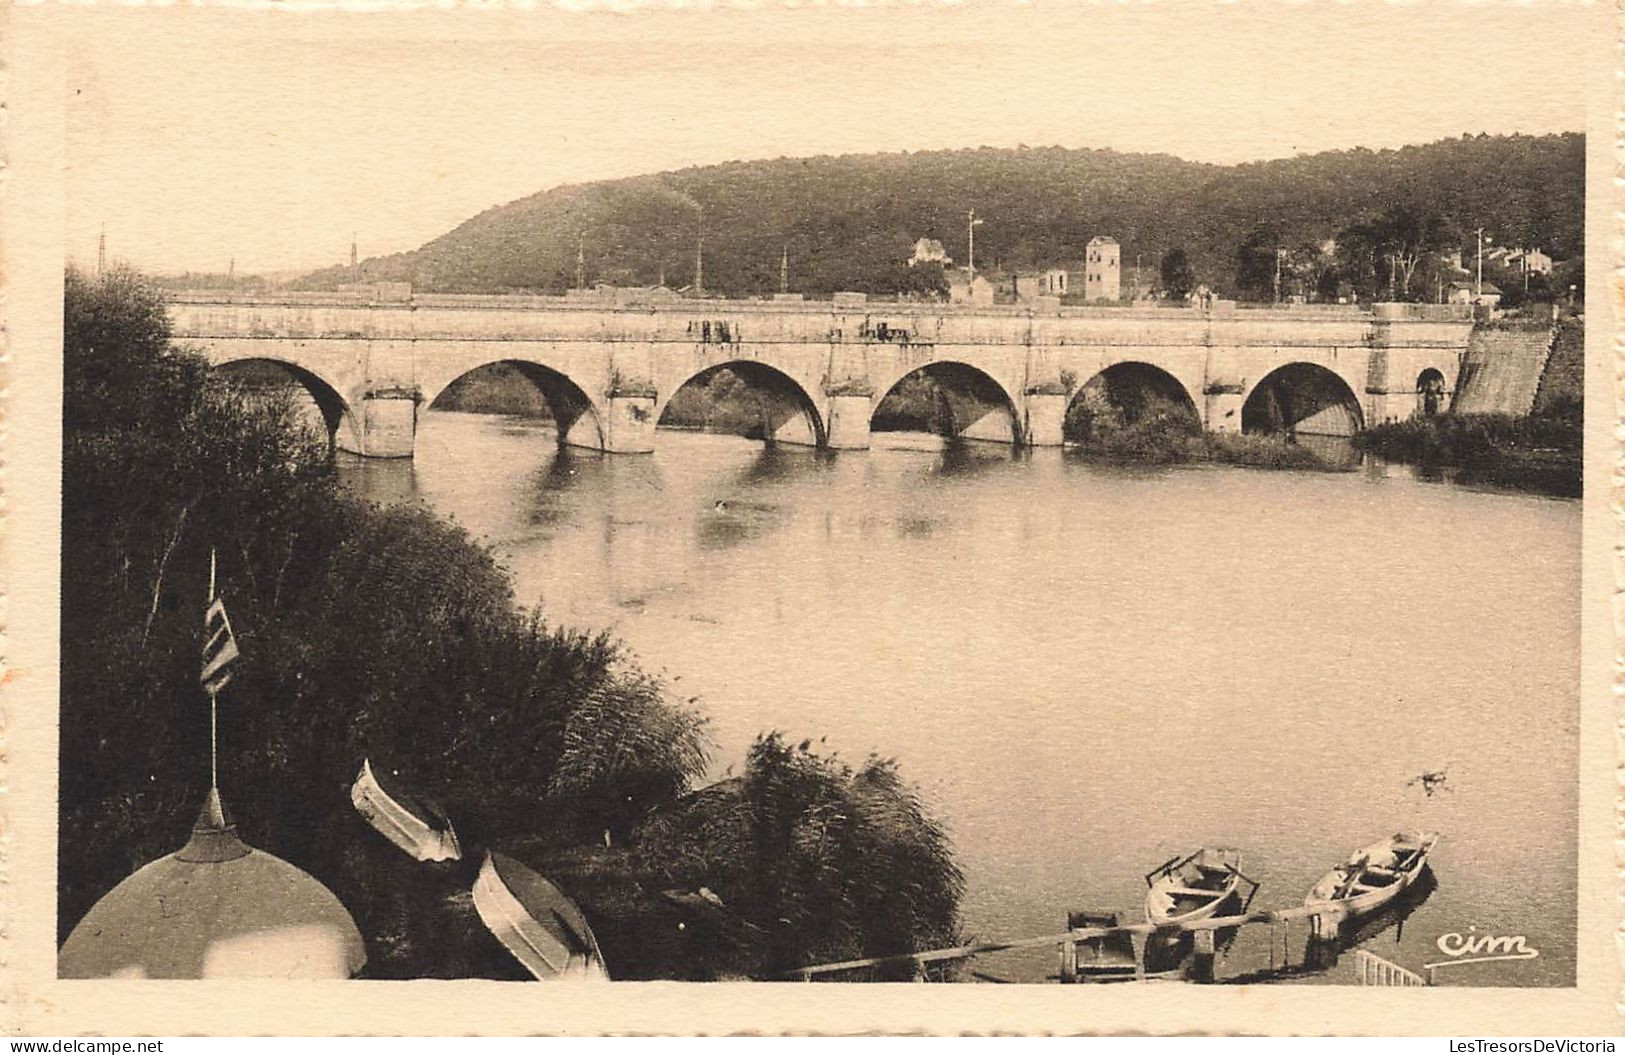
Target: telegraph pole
x=784, y=269
x=699, y=255
x=1478, y=285
x=970, y=252
x=581, y=260
x=101, y=253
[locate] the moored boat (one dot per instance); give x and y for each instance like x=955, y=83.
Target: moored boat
x=418, y=826
x=1188, y=889
x=532, y=918
x=1374, y=876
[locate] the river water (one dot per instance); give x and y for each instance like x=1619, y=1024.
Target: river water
x=1089, y=670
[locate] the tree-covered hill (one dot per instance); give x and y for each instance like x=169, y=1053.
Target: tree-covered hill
x=850, y=222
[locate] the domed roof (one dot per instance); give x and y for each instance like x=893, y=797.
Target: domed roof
x=216, y=908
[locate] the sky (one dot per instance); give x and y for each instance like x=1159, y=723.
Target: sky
x=201, y=135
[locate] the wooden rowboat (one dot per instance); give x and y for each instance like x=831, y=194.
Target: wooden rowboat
x=418, y=826
x=543, y=929
x=1374, y=876
x=1184, y=890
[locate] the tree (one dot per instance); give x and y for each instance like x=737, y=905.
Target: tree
x=1399, y=239
x=1259, y=264
x=1178, y=276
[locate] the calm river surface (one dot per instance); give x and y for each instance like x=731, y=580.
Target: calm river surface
x=1087, y=671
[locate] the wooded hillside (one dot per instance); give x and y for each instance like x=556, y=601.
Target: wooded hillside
x=851, y=222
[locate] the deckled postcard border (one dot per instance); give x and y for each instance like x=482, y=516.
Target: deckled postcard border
x=33, y=1002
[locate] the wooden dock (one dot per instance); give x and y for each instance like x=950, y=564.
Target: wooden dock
x=1311, y=930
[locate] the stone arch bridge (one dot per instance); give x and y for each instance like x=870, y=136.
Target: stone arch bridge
x=375, y=362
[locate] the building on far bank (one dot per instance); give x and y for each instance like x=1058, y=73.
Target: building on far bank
x=1463, y=293
x=1532, y=261
x=1103, y=272
x=1021, y=287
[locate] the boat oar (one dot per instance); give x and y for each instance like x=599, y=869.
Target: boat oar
x=1356, y=870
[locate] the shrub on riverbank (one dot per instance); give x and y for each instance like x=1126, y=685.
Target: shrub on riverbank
x=375, y=633
x=1154, y=431
x=821, y=861
x=1534, y=452
x=1163, y=432
x=1273, y=451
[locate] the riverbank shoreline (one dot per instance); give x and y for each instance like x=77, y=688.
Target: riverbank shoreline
x=1530, y=453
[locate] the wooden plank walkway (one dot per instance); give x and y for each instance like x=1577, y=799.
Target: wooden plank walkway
x=1322, y=924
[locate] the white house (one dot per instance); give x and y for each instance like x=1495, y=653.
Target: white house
x=929, y=251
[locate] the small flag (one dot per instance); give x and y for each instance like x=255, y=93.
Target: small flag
x=219, y=647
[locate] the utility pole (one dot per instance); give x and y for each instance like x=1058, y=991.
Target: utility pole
x=784, y=269
x=971, y=223
x=581, y=260
x=1478, y=285
x=231, y=272
x=699, y=255
x=355, y=263
x=101, y=253
x=1278, y=252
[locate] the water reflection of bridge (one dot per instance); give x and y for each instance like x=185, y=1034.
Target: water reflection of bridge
x=820, y=370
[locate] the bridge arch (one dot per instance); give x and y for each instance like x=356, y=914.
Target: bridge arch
x=783, y=410
x=1302, y=397
x=574, y=413
x=960, y=400
x=1430, y=392
x=344, y=429
x=1124, y=393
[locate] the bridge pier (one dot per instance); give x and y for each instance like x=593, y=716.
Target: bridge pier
x=848, y=422
x=629, y=427
x=388, y=424
x=1046, y=416
x=1223, y=411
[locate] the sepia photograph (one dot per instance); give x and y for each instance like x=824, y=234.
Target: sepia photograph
x=999, y=495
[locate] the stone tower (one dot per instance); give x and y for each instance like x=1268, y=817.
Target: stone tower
x=1103, y=272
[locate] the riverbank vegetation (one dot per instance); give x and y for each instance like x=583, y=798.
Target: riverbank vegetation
x=1541, y=451
x=389, y=634
x=1141, y=428
x=1536, y=452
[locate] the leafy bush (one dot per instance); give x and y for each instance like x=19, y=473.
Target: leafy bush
x=1536, y=453
x=823, y=862
x=1261, y=452
x=1152, y=429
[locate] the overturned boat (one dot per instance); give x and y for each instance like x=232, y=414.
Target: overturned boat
x=1374, y=876
x=1184, y=890
x=418, y=826
x=534, y=921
